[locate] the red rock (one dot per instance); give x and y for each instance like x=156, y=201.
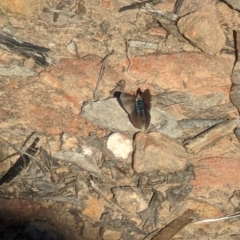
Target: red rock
x=158, y=152
x=203, y=31
x=217, y=170
x=216, y=173
x=201, y=26
x=54, y=106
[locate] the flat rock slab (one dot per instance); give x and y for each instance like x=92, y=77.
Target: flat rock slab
x=158, y=152
x=108, y=114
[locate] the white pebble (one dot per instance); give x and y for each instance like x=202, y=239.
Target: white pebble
x=120, y=145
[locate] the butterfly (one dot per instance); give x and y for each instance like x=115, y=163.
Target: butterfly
x=138, y=108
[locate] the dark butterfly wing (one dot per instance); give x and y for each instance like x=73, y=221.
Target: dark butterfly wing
x=147, y=118
x=128, y=102
x=140, y=120
x=136, y=119
x=146, y=97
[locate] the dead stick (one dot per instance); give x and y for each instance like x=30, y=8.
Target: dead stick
x=18, y=150
x=175, y=226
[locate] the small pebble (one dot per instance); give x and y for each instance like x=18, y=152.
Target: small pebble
x=120, y=145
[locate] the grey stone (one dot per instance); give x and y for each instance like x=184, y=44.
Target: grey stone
x=108, y=114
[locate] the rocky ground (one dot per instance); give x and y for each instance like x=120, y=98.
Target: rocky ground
x=72, y=164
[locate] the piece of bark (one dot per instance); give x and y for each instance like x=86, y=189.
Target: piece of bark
x=25, y=49
x=210, y=136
